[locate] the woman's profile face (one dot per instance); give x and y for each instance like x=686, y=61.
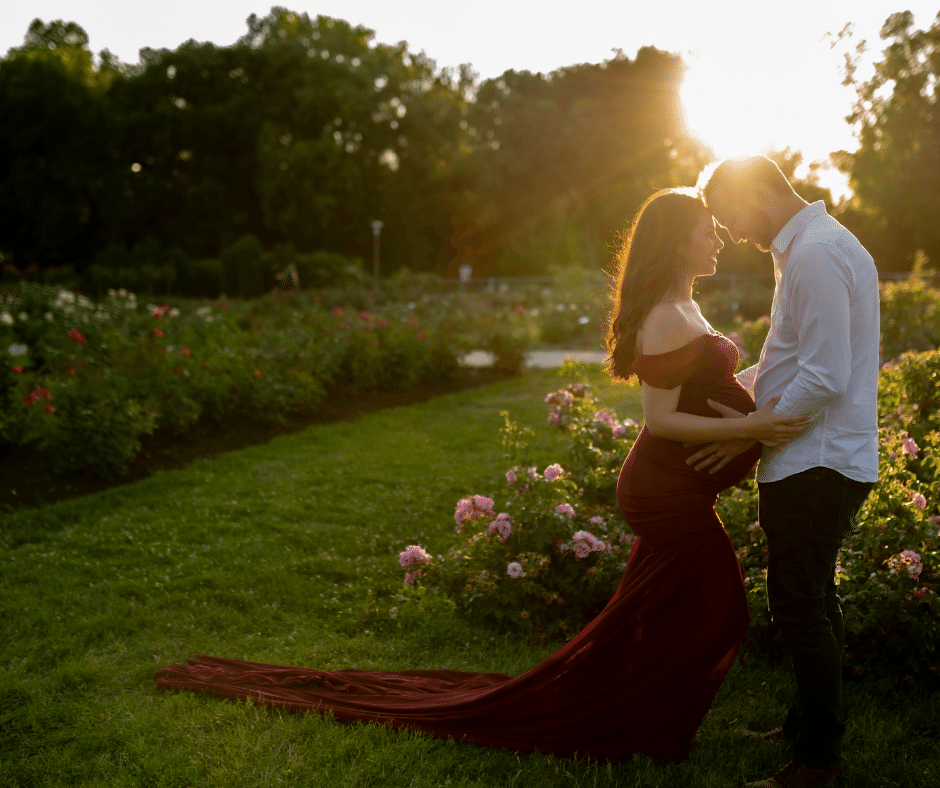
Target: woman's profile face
x=700, y=252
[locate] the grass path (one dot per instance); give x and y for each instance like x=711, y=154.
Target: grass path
x=286, y=553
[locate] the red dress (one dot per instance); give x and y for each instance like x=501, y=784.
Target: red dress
x=638, y=678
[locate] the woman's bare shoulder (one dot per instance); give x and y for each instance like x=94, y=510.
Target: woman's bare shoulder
x=667, y=327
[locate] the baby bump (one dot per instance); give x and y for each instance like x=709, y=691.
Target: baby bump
x=657, y=489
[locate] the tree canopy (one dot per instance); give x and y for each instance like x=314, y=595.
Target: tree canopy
x=894, y=171
x=307, y=129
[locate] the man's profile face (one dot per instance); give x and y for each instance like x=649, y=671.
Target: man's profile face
x=743, y=220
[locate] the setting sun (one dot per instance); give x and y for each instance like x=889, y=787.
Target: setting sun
x=744, y=100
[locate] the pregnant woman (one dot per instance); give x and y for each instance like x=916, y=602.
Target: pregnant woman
x=641, y=676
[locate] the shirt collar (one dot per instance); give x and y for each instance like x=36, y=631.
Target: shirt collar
x=797, y=224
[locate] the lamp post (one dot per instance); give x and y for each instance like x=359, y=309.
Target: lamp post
x=377, y=226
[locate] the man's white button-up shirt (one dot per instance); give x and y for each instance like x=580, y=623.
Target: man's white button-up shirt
x=821, y=354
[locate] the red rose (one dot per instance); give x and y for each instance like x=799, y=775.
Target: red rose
x=17, y=370
x=76, y=335
x=49, y=409
x=158, y=332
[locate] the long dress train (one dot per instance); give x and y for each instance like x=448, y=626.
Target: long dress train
x=639, y=678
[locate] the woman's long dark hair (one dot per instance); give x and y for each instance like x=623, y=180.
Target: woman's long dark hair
x=648, y=267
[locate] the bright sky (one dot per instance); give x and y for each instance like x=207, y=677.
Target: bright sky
x=750, y=63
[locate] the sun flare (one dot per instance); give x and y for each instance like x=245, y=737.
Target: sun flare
x=743, y=101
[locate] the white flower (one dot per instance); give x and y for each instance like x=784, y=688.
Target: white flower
x=18, y=350
x=66, y=296
x=174, y=312
x=515, y=570
x=49, y=316
x=112, y=292
x=23, y=316
x=6, y=318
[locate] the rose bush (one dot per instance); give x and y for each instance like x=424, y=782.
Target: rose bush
x=550, y=559
x=116, y=370
x=552, y=555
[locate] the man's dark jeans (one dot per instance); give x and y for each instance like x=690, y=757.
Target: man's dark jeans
x=806, y=517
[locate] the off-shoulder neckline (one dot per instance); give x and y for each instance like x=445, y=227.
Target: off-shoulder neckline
x=683, y=347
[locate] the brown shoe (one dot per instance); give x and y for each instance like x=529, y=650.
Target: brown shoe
x=776, y=735
x=797, y=775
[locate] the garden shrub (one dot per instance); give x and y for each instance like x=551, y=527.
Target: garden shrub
x=510, y=575
x=910, y=317
x=201, y=278
x=551, y=559
x=133, y=368
x=326, y=269
x=243, y=267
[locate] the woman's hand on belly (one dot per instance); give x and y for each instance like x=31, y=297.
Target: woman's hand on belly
x=717, y=455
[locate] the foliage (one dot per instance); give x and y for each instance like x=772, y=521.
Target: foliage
x=910, y=314
x=114, y=371
x=512, y=574
x=243, y=268
x=551, y=560
x=305, y=130
x=892, y=172
x=892, y=608
x=612, y=135
x=910, y=321
x=277, y=554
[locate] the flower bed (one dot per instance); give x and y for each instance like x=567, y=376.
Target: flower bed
x=553, y=556
x=550, y=560
x=84, y=380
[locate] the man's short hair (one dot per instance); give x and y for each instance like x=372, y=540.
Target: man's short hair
x=731, y=177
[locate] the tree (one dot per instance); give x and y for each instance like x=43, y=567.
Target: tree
x=55, y=138
x=894, y=171
x=564, y=160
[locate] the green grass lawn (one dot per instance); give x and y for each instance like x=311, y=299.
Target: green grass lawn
x=286, y=553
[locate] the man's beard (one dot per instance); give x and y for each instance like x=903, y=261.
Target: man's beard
x=764, y=235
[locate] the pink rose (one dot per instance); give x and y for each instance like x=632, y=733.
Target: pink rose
x=514, y=570
x=413, y=554
x=554, y=471
x=581, y=549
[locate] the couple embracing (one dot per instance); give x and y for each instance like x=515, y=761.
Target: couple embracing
x=641, y=676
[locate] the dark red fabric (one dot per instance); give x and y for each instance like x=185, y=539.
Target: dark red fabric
x=638, y=678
